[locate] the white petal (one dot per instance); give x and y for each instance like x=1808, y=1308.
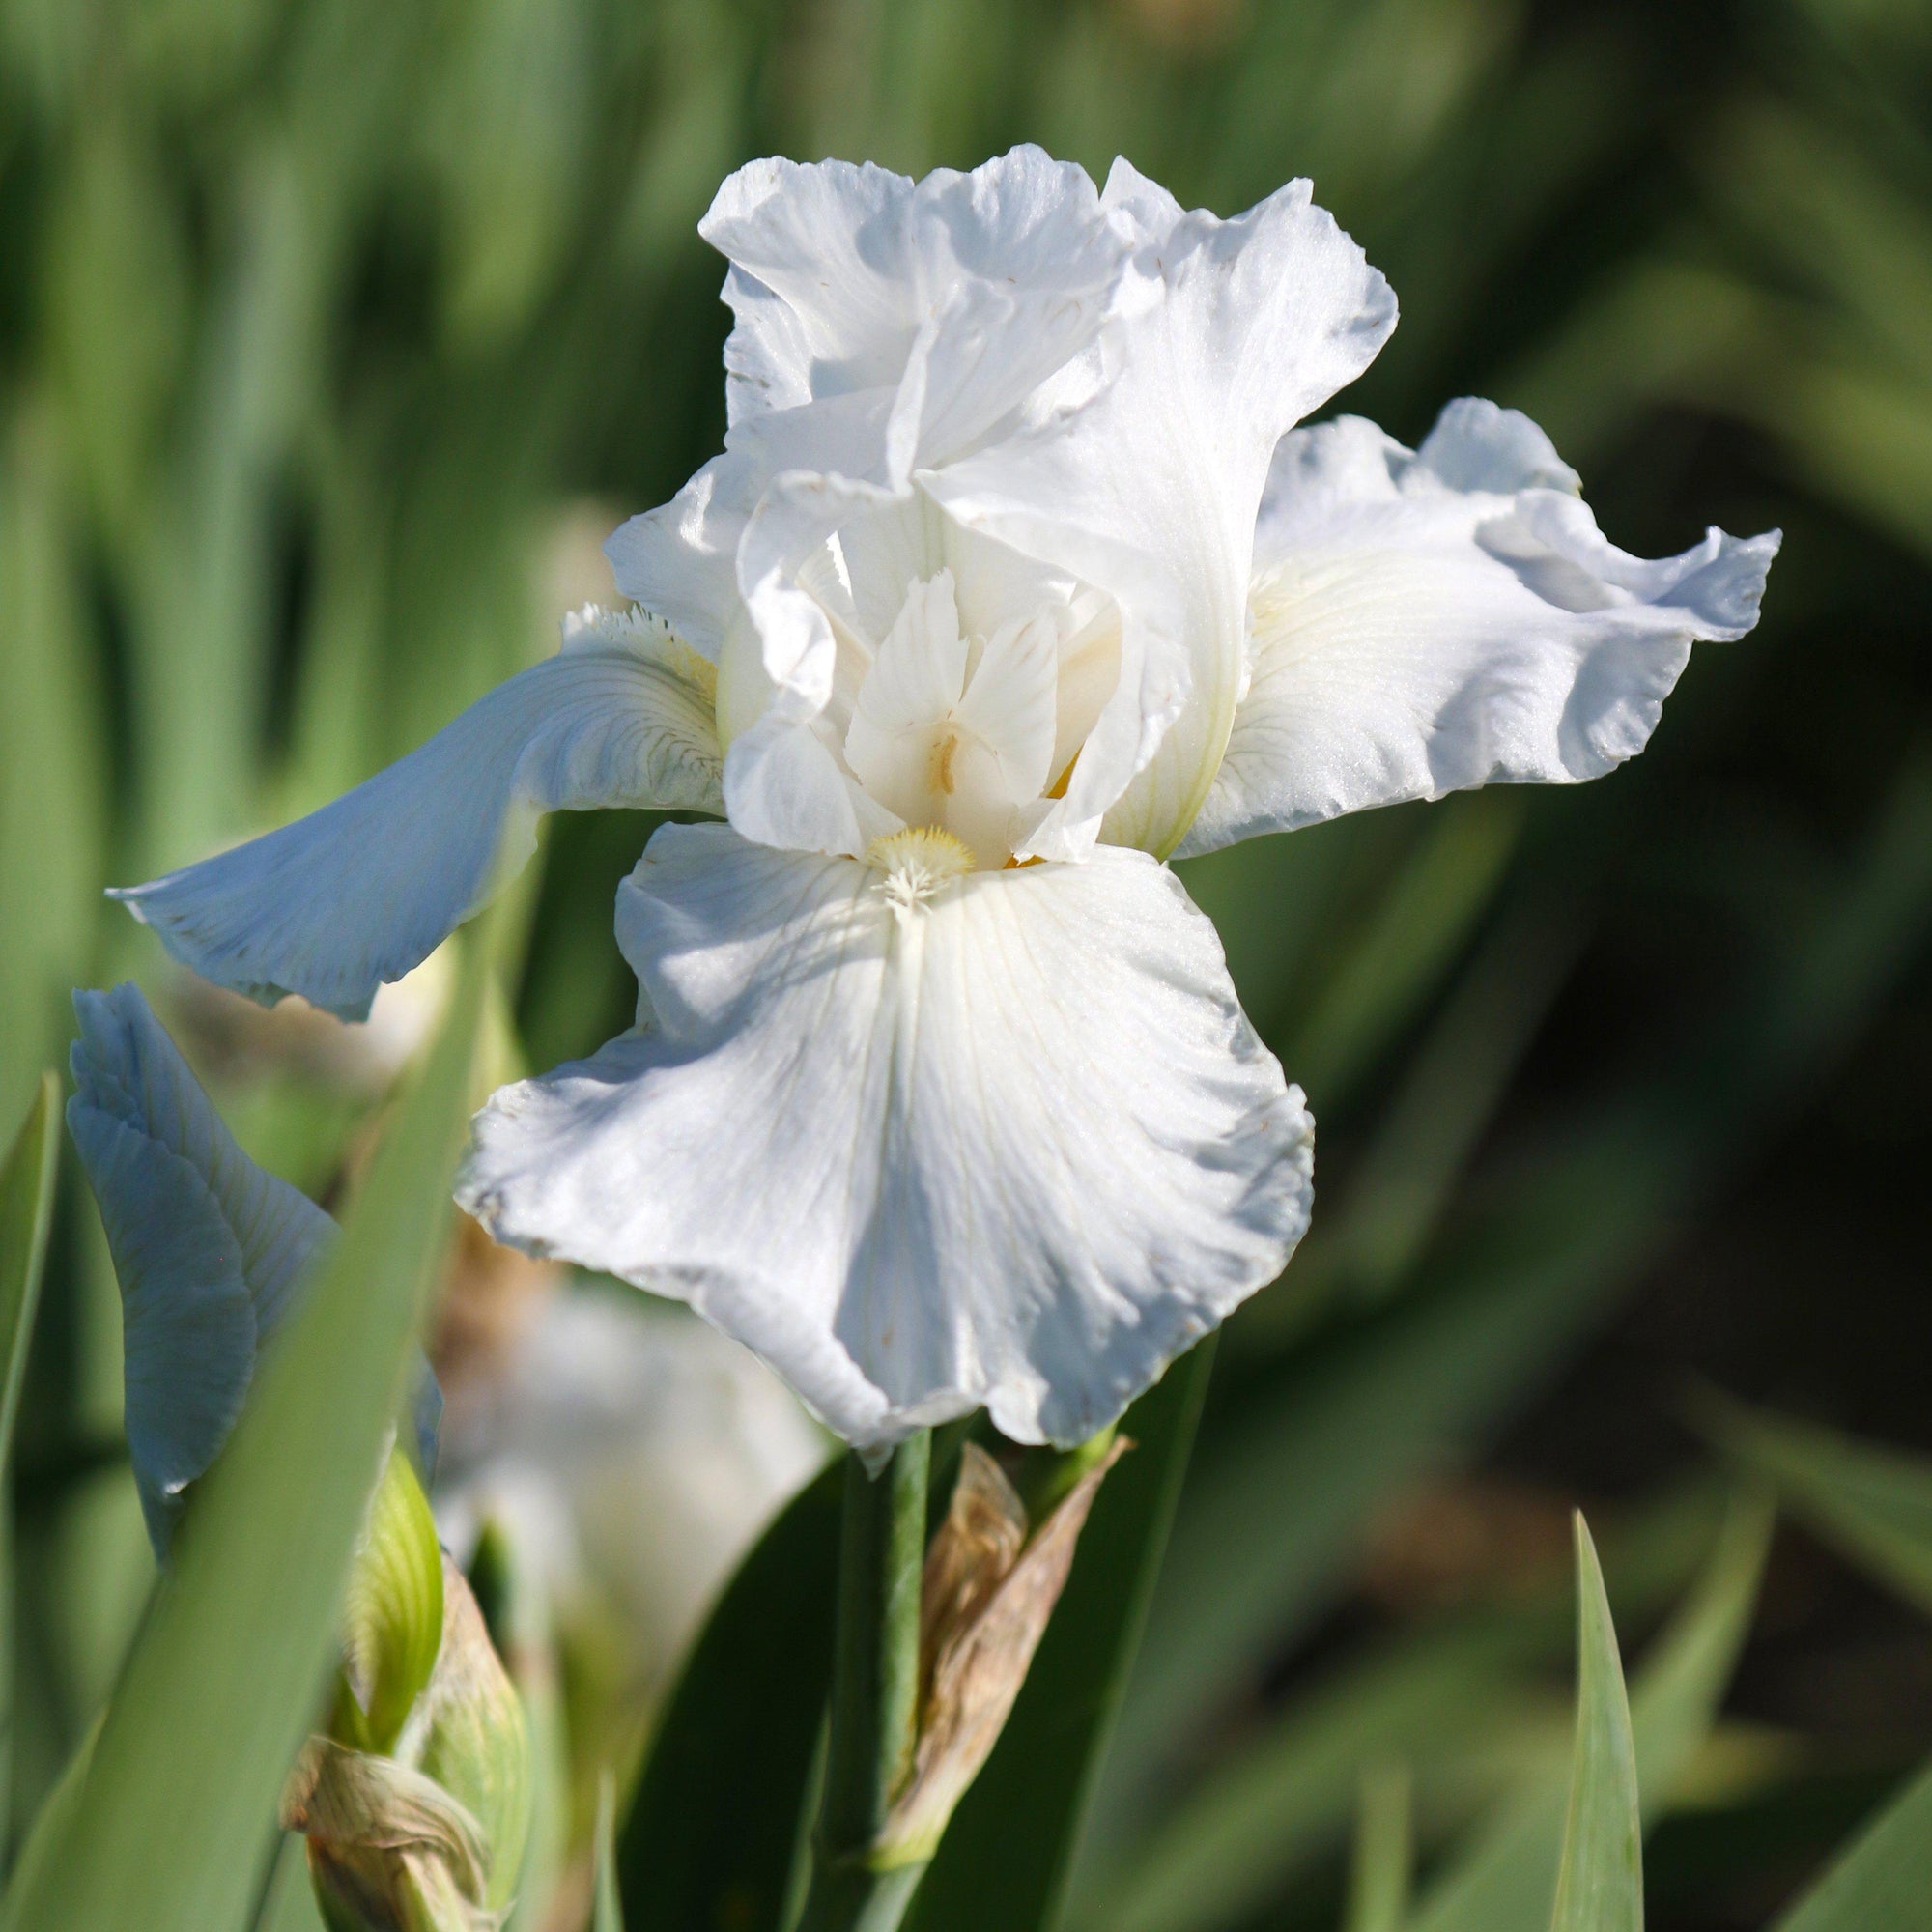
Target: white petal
x=210, y=1251
x=885, y=549
x=187, y=1330
x=358, y=892
x=844, y=277
x=785, y=783
x=920, y=669
x=1428, y=622
x=1475, y=446
x=1010, y=704
x=1016, y=1144
x=786, y=786
x=821, y=282
x=1227, y=332
x=127, y=1069
x=681, y=559
x=208, y=1247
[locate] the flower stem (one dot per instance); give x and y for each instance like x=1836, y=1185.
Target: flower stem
x=874, y=1696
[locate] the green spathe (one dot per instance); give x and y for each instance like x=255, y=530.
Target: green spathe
x=418, y=1807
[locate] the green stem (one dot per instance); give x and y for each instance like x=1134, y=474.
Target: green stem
x=874, y=1696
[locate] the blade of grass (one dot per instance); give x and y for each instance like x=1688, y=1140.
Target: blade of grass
x=26, y=1214
x=1599, y=1879
x=173, y=1818
x=54, y=767
x=1506, y=1879
x=1278, y=1498
x=607, y=1913
x=1882, y=1882
x=289, y=1905
x=1255, y=1821
x=1430, y=907
x=1270, y=1520
x=56, y=1815
x=1873, y=1504
x=1456, y=1699
x=1384, y=1852
x=1044, y=1767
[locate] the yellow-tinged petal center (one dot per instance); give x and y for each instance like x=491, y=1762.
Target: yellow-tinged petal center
x=916, y=863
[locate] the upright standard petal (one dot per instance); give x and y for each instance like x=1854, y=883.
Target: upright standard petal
x=976, y=286
x=208, y=1246
x=882, y=324
x=1426, y=621
x=360, y=892
x=924, y=1139
x=1228, y=332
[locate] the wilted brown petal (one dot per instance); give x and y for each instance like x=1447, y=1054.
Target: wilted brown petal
x=389, y=1846
x=981, y=1656
x=970, y=1556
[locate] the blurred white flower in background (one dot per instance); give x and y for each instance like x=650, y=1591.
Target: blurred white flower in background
x=236, y=1041
x=631, y=1455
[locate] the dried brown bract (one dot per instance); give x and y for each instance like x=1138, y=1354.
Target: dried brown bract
x=984, y=1602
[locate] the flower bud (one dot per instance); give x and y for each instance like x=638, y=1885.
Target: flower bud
x=417, y=1805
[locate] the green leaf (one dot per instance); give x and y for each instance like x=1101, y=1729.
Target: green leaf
x=54, y=752
x=1384, y=1852
x=32, y=1865
x=1043, y=1768
x=392, y=1615
x=1430, y=907
x=1506, y=1880
x=1882, y=1882
x=1456, y=1699
x=1447, y=1096
x=1277, y=1498
x=1270, y=1520
x=607, y=1914
x=26, y=1214
x=1873, y=1504
x=713, y=1825
x=1600, y=1881
x=1261, y=1815
x=288, y=1905
x=514, y=1607
x=175, y=1818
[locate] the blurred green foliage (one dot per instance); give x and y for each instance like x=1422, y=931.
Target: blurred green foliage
x=333, y=338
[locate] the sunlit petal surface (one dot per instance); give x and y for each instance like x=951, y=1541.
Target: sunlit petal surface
x=1426, y=621
x=360, y=892
x=924, y=1142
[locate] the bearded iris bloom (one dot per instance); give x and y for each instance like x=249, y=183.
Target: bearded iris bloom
x=1015, y=579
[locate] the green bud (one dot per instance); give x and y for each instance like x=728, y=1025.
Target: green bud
x=472, y=1737
x=392, y=1615
x=416, y=1806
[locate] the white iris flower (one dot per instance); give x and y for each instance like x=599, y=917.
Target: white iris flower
x=1015, y=578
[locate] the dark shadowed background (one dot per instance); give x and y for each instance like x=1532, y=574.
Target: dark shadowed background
x=334, y=337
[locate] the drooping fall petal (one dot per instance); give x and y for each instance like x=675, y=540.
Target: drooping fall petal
x=922, y=1140
x=355, y=895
